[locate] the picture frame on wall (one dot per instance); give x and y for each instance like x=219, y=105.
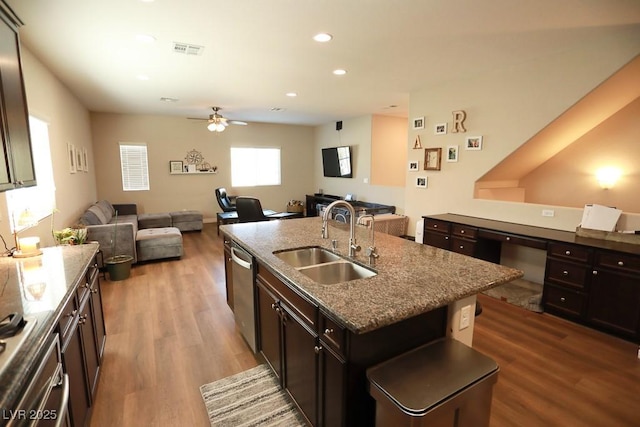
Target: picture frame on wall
x=432, y=158
x=440, y=129
x=79, y=162
x=473, y=143
x=85, y=160
x=421, y=181
x=414, y=166
x=452, y=153
x=418, y=123
x=71, y=155
x=175, y=166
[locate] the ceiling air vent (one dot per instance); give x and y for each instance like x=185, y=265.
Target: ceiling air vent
x=187, y=49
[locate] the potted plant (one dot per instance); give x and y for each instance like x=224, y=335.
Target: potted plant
x=118, y=266
x=76, y=235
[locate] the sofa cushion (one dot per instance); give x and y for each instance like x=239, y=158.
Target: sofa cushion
x=107, y=209
x=89, y=218
x=98, y=212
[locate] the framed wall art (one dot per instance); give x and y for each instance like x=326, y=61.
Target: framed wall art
x=175, y=166
x=440, y=129
x=473, y=143
x=452, y=153
x=414, y=166
x=418, y=123
x=85, y=160
x=71, y=155
x=432, y=158
x=421, y=181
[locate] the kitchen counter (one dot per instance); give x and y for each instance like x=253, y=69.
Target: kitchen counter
x=38, y=288
x=412, y=278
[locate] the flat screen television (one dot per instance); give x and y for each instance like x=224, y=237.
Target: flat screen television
x=336, y=162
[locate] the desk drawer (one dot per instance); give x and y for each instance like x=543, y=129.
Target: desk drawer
x=566, y=300
x=567, y=274
x=464, y=231
x=514, y=239
x=463, y=246
x=570, y=252
x=436, y=239
x=618, y=261
x=437, y=225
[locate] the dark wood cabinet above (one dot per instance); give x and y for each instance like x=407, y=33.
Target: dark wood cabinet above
x=16, y=168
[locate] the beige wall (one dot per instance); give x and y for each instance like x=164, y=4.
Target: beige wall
x=388, y=154
x=68, y=120
x=568, y=179
x=507, y=107
x=170, y=138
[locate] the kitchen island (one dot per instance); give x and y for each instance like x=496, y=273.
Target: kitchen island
x=319, y=339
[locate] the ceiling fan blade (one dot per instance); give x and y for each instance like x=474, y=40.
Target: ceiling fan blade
x=196, y=118
x=238, y=122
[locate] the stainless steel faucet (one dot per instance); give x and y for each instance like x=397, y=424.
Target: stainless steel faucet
x=353, y=246
x=371, y=249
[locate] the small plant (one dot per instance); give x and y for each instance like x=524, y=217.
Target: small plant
x=71, y=236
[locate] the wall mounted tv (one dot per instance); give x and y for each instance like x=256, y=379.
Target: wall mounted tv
x=336, y=162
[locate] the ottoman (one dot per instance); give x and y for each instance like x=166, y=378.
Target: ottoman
x=157, y=243
x=154, y=220
x=186, y=220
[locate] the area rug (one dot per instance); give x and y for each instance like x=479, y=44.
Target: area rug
x=520, y=292
x=250, y=398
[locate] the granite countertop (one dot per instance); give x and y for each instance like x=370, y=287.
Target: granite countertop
x=38, y=288
x=412, y=278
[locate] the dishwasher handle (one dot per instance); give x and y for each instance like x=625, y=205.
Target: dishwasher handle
x=242, y=263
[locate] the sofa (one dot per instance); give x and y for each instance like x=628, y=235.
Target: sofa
x=144, y=237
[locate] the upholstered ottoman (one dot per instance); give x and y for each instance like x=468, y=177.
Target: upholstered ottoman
x=186, y=220
x=154, y=220
x=158, y=243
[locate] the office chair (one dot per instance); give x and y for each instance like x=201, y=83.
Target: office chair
x=227, y=203
x=249, y=210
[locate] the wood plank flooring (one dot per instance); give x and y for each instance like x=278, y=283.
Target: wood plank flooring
x=169, y=330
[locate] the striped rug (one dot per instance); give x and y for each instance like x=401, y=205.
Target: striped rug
x=250, y=398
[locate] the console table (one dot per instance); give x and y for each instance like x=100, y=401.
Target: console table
x=362, y=208
x=590, y=281
x=232, y=217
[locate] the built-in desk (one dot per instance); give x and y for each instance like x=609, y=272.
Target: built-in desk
x=232, y=217
x=590, y=281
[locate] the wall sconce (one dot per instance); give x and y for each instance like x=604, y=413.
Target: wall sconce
x=608, y=176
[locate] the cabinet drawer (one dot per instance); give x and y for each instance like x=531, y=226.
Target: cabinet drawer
x=332, y=334
x=437, y=225
x=305, y=310
x=463, y=246
x=566, y=300
x=514, y=239
x=436, y=239
x=464, y=231
x=572, y=252
x=67, y=315
x=568, y=274
x=618, y=261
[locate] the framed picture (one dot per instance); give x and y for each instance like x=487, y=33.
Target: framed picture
x=418, y=123
x=421, y=181
x=432, y=158
x=175, y=166
x=71, y=155
x=440, y=129
x=473, y=143
x=413, y=166
x=452, y=153
x=85, y=160
x=79, y=162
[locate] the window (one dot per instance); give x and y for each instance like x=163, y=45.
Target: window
x=36, y=202
x=255, y=166
x=135, y=169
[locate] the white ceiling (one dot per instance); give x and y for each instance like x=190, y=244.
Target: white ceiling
x=255, y=51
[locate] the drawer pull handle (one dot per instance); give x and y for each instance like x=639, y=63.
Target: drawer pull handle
x=508, y=238
x=565, y=272
x=328, y=331
x=446, y=237
x=595, y=272
x=567, y=252
x=621, y=264
x=563, y=299
x=317, y=349
x=461, y=246
x=461, y=231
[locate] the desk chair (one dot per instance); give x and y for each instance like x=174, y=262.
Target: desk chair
x=249, y=210
x=227, y=203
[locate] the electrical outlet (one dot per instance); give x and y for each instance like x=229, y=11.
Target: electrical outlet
x=465, y=319
x=548, y=212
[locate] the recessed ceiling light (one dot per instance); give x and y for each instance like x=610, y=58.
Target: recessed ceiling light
x=291, y=94
x=322, y=37
x=145, y=38
x=277, y=109
x=142, y=77
x=339, y=72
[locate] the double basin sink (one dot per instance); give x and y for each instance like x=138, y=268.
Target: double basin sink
x=323, y=266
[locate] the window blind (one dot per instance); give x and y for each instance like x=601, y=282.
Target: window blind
x=134, y=165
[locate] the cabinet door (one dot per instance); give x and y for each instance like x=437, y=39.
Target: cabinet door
x=300, y=365
x=89, y=344
x=614, y=302
x=269, y=329
x=333, y=371
x=73, y=365
x=98, y=316
x=228, y=276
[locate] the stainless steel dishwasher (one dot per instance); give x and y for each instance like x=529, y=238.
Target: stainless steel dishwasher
x=243, y=294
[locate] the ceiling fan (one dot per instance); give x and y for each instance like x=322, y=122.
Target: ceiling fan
x=217, y=123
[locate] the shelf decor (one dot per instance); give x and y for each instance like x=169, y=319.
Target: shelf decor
x=193, y=164
x=175, y=166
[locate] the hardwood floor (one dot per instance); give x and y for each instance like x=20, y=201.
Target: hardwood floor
x=169, y=330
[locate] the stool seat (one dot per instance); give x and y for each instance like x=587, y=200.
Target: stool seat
x=157, y=243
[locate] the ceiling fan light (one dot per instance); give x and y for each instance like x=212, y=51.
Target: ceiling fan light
x=220, y=127
x=211, y=126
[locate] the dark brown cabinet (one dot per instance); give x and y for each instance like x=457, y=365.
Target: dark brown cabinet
x=460, y=238
x=81, y=327
x=228, y=276
x=16, y=169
